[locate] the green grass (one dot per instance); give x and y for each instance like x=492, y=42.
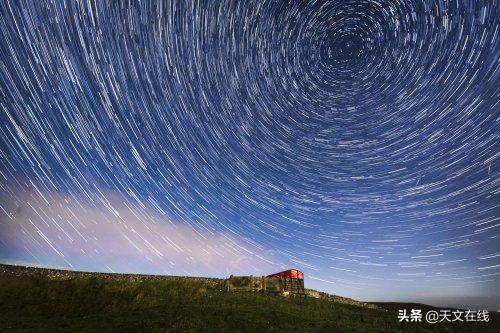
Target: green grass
x=93, y=304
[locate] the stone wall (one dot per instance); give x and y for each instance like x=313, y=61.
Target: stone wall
x=261, y=284
x=339, y=299
x=61, y=274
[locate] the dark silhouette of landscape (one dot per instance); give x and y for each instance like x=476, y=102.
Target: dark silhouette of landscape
x=38, y=299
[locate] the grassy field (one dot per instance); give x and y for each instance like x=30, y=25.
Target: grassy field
x=39, y=302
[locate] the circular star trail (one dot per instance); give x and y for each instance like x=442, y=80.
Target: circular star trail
x=355, y=140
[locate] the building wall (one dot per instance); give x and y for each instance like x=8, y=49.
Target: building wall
x=264, y=284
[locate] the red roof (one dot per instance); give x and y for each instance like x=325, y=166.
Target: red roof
x=289, y=274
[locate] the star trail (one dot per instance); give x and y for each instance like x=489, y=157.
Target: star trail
x=354, y=140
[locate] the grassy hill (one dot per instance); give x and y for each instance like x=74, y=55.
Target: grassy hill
x=41, y=300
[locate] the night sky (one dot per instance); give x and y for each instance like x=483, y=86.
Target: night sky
x=355, y=140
